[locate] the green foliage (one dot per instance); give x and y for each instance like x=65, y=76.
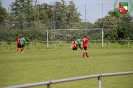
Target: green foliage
x=115, y=27
x=33, y=21
x=3, y=14
x=23, y=10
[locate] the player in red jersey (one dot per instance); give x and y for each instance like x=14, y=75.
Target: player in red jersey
x=85, y=42
x=19, y=44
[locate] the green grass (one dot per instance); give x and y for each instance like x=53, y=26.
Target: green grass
x=37, y=65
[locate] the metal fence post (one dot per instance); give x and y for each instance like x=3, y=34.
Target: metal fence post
x=109, y=44
x=49, y=85
x=128, y=44
x=99, y=82
x=47, y=38
x=102, y=38
x=2, y=45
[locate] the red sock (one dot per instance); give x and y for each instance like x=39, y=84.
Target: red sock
x=84, y=54
x=22, y=49
x=80, y=47
x=16, y=50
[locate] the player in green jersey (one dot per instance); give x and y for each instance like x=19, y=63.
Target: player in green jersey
x=23, y=41
x=79, y=40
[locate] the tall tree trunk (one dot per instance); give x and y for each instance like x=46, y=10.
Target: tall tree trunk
x=36, y=3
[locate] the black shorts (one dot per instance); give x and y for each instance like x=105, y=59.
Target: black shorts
x=19, y=46
x=79, y=45
x=85, y=48
x=74, y=48
x=23, y=45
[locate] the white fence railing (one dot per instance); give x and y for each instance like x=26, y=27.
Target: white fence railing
x=107, y=44
x=49, y=83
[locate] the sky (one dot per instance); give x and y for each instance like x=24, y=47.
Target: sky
x=91, y=10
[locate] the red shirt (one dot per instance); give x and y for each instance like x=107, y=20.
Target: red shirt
x=19, y=41
x=85, y=42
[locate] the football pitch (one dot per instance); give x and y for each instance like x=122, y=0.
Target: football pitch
x=39, y=65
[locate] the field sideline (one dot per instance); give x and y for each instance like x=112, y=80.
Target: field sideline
x=51, y=64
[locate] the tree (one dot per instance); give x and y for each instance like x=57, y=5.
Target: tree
x=73, y=15
x=3, y=13
x=23, y=11
x=115, y=27
x=59, y=15
x=124, y=28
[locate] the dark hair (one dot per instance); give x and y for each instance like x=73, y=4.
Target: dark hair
x=78, y=36
x=85, y=36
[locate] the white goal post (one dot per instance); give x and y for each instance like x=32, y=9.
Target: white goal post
x=102, y=34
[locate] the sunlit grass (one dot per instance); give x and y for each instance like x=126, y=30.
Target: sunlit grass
x=37, y=65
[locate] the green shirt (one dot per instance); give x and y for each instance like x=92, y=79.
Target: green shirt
x=23, y=41
x=79, y=41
